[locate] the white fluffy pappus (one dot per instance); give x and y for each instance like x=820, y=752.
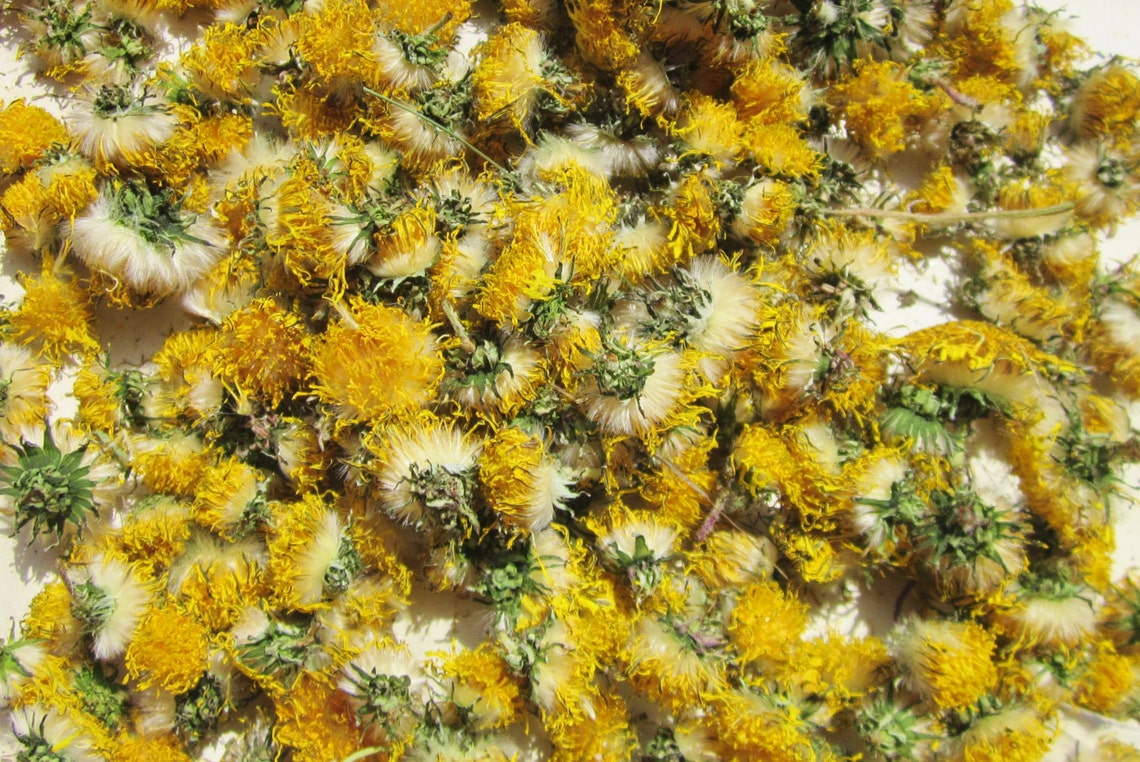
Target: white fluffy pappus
x=121, y=596
x=408, y=455
x=395, y=71
x=25, y=382
x=551, y=488
x=423, y=144
x=521, y=373
x=1122, y=324
x=1051, y=620
x=66, y=738
x=108, y=242
x=114, y=125
x=727, y=319
x=552, y=153
x=312, y=564
x=632, y=157
x=649, y=407
x=660, y=539
x=377, y=660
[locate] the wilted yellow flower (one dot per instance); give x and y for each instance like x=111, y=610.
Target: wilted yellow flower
x=315, y=720
x=172, y=466
x=56, y=314
x=376, y=363
x=1107, y=104
x=766, y=622
x=26, y=132
x=771, y=92
x=484, y=685
x=879, y=105
x=262, y=351
x=169, y=649
x=523, y=485
x=508, y=78
x=710, y=127
x=948, y=663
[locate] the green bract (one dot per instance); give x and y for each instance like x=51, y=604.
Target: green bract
x=50, y=488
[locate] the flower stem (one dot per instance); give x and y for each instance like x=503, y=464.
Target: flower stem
x=439, y=126
x=952, y=218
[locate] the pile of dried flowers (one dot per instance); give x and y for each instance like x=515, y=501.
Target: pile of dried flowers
x=583, y=321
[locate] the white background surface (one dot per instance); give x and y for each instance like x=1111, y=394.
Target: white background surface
x=1110, y=26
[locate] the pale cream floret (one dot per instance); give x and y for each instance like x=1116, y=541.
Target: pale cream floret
x=108, y=245
x=646, y=410
x=1123, y=324
x=130, y=595
x=396, y=70
x=112, y=138
x=524, y=363
x=727, y=320
x=553, y=153
x=481, y=196
x=803, y=349
x=553, y=569
x=552, y=677
x=644, y=247
x=383, y=657
x=66, y=737
x=206, y=551
x=650, y=87
x=313, y=562
x=27, y=657
x=865, y=260
x=25, y=397
x=467, y=258
x=876, y=483
x=1017, y=721
x=674, y=660
x=1052, y=621
x=421, y=448
x=818, y=441
x=400, y=263
x=915, y=28
x=660, y=539
x=1002, y=381
x=422, y=142
x=754, y=208
x=623, y=157
x=263, y=156
x=551, y=488
x=1021, y=30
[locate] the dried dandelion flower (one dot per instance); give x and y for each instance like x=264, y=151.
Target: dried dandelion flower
x=376, y=363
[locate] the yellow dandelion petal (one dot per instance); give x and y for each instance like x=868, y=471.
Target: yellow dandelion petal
x=879, y=105
x=262, y=351
x=949, y=663
x=1107, y=104
x=173, y=466
x=56, y=315
x=169, y=649
x=523, y=486
x=26, y=132
x=1109, y=679
x=485, y=685
x=29, y=222
x=508, y=78
x=376, y=363
x=780, y=149
x=315, y=720
x=766, y=622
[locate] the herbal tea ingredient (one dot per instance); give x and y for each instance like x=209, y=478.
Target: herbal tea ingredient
x=591, y=320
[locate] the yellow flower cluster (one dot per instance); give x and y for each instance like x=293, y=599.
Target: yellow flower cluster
x=588, y=326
